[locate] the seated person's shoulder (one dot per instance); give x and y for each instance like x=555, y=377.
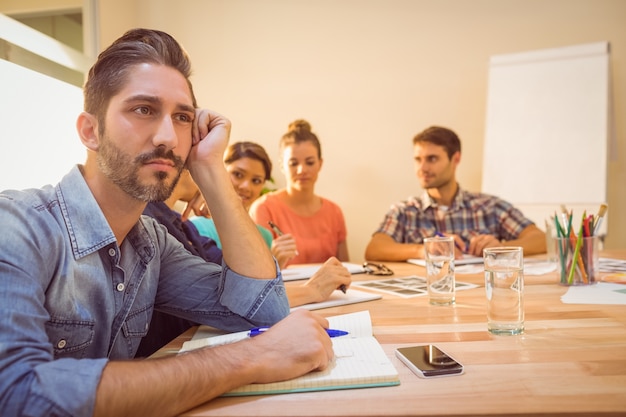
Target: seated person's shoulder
x=269, y=201
x=40, y=209
x=479, y=199
x=34, y=197
x=410, y=203
x=152, y=225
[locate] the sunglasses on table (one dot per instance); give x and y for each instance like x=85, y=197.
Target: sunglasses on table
x=376, y=269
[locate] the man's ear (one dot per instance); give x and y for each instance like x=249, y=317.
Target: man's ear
x=87, y=127
x=456, y=158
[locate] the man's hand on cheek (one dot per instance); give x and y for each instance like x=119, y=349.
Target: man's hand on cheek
x=210, y=137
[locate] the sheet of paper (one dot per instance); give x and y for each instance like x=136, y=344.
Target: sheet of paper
x=600, y=293
x=612, y=265
x=531, y=267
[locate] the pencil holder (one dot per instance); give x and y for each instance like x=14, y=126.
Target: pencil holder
x=577, y=259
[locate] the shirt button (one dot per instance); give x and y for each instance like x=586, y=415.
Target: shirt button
x=120, y=287
x=111, y=252
x=61, y=344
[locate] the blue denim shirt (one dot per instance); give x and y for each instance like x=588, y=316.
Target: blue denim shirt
x=71, y=298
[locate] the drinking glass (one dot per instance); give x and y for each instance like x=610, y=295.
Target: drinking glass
x=439, y=256
x=504, y=285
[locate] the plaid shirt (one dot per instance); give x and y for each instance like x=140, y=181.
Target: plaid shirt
x=469, y=215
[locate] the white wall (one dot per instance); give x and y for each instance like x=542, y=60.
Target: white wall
x=39, y=139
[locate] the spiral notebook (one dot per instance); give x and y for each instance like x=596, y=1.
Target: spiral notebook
x=359, y=361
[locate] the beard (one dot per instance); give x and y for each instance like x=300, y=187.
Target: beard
x=444, y=178
x=121, y=169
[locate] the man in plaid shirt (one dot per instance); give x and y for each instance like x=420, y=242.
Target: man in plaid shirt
x=476, y=221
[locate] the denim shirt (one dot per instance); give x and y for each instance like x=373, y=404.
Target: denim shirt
x=71, y=299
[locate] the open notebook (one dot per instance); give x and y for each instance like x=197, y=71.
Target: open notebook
x=359, y=361
x=297, y=272
x=337, y=298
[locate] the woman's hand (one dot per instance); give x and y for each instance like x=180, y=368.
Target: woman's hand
x=284, y=249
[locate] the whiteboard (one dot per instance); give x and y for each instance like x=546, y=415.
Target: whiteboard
x=547, y=129
x=38, y=129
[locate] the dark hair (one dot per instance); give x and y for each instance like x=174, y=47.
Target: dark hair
x=137, y=46
x=300, y=131
x=440, y=136
x=250, y=150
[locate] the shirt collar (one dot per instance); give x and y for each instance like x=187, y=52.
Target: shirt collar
x=457, y=201
x=426, y=201
x=88, y=229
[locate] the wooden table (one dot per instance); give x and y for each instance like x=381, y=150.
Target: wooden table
x=571, y=360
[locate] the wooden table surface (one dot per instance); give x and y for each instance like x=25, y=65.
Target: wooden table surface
x=571, y=359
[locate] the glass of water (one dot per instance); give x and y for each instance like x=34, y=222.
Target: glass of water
x=439, y=256
x=504, y=285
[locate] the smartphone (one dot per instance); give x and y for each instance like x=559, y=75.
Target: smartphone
x=429, y=361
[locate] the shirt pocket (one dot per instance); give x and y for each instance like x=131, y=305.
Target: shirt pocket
x=70, y=337
x=137, y=323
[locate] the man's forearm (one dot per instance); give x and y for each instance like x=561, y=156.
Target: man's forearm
x=243, y=247
x=532, y=239
x=169, y=386
x=383, y=248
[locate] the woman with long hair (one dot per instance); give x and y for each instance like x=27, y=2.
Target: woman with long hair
x=312, y=228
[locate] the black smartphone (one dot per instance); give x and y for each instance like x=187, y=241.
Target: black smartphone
x=428, y=361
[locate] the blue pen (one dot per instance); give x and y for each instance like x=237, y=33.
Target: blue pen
x=331, y=332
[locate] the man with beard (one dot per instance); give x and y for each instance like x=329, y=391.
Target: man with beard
x=81, y=270
x=476, y=221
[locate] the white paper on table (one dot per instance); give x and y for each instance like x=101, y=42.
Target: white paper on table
x=531, y=267
x=600, y=293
